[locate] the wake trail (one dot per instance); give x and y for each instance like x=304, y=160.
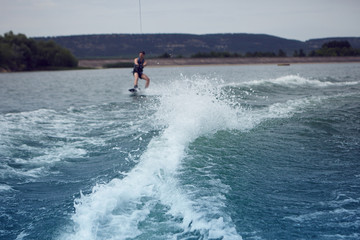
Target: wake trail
x=125, y=208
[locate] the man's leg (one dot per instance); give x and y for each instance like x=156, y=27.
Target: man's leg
x=136, y=79
x=147, y=79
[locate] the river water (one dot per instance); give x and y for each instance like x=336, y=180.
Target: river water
x=210, y=152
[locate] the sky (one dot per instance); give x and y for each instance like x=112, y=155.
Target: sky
x=291, y=19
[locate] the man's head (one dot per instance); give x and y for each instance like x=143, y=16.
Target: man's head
x=141, y=53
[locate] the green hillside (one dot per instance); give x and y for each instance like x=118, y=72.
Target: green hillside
x=185, y=45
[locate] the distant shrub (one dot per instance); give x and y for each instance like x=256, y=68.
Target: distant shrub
x=165, y=55
x=19, y=53
x=335, y=49
x=336, y=44
x=119, y=65
x=281, y=53
x=260, y=54
x=301, y=53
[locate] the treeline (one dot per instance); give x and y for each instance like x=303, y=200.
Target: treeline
x=335, y=49
x=19, y=53
x=281, y=53
x=215, y=55
x=329, y=49
x=119, y=65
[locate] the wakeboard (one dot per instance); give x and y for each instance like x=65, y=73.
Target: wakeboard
x=134, y=90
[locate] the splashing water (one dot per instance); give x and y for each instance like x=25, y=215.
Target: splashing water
x=125, y=207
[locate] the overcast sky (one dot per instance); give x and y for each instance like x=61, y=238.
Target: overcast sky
x=292, y=19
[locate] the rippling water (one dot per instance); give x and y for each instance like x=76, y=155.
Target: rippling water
x=211, y=152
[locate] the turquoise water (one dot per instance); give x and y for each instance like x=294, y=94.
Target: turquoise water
x=211, y=152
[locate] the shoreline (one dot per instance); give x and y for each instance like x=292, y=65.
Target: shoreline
x=177, y=62
x=170, y=62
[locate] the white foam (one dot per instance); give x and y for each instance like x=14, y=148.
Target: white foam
x=326, y=214
x=186, y=110
x=4, y=188
x=22, y=235
x=37, y=139
x=296, y=80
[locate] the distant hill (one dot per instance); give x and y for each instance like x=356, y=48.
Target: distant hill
x=128, y=45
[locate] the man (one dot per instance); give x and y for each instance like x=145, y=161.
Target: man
x=139, y=64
